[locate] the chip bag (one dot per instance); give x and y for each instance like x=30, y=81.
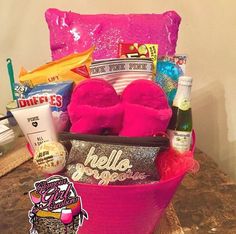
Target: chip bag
x=57, y=94
x=72, y=67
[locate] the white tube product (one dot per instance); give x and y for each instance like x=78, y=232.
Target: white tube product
x=36, y=123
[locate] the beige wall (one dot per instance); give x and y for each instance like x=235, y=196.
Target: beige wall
x=207, y=34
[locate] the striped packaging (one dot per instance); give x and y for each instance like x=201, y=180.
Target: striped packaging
x=121, y=72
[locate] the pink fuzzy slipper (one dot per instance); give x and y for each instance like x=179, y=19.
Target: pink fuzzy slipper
x=95, y=108
x=146, y=109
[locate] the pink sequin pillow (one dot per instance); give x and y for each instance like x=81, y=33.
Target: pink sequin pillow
x=71, y=32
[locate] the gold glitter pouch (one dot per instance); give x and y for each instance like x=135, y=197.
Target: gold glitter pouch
x=112, y=160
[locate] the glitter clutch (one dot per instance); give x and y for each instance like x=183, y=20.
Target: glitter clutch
x=112, y=160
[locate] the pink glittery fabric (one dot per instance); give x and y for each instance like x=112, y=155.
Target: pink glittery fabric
x=71, y=32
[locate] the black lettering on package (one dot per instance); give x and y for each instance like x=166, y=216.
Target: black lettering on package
x=35, y=118
x=117, y=67
x=137, y=66
x=97, y=70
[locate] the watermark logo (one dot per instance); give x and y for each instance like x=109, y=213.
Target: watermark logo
x=56, y=207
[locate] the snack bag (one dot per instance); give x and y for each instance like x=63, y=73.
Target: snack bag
x=56, y=94
x=72, y=67
x=21, y=90
x=135, y=50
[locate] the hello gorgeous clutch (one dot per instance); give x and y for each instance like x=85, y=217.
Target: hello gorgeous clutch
x=112, y=160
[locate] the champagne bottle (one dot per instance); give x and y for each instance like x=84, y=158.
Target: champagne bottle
x=180, y=126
